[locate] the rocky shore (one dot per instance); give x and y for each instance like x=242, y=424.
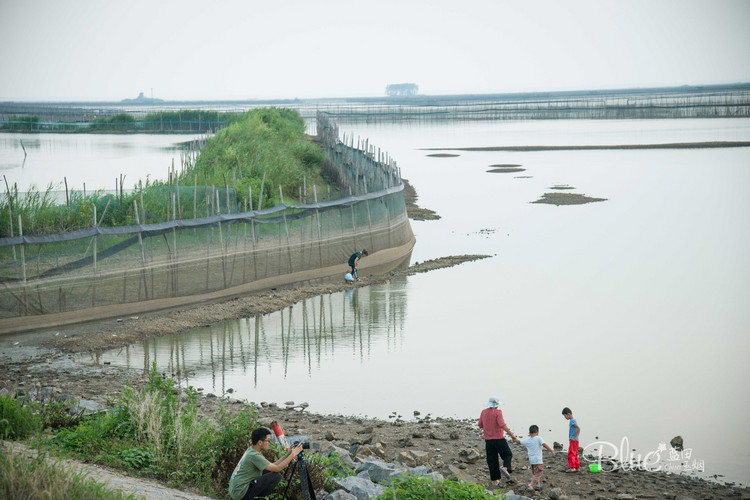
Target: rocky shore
x=426, y=444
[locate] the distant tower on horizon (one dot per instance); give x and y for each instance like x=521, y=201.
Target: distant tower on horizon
x=142, y=99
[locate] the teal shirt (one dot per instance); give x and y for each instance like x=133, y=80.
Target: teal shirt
x=251, y=466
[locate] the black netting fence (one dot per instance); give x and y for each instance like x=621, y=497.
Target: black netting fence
x=203, y=241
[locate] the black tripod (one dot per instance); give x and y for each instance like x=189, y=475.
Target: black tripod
x=305, y=485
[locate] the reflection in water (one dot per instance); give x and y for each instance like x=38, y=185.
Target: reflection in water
x=305, y=335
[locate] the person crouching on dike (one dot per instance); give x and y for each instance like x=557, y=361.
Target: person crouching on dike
x=255, y=476
x=492, y=423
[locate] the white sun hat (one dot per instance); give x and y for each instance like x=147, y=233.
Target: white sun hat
x=493, y=402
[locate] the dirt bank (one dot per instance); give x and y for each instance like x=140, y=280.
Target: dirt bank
x=414, y=211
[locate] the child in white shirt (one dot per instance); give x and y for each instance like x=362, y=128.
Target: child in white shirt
x=534, y=444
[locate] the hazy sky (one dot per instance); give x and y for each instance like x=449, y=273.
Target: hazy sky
x=230, y=49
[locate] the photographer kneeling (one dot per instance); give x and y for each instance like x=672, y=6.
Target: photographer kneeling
x=255, y=476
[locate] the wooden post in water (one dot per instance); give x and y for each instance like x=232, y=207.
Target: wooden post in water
x=67, y=200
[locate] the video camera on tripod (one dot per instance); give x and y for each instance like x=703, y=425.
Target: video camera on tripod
x=307, y=492
x=305, y=444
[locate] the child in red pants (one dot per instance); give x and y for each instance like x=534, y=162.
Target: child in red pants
x=573, y=433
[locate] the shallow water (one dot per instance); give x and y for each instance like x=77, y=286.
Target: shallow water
x=94, y=159
x=632, y=311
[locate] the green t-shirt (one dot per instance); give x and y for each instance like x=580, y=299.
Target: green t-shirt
x=251, y=466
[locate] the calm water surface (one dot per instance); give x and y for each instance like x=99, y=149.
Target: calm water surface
x=632, y=311
x=94, y=159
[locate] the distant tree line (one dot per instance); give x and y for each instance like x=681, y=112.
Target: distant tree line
x=200, y=121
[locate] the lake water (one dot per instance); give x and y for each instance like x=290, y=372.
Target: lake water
x=94, y=159
x=631, y=311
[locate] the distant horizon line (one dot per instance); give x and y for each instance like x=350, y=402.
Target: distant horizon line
x=160, y=101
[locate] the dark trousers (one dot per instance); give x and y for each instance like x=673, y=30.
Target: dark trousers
x=493, y=448
x=262, y=486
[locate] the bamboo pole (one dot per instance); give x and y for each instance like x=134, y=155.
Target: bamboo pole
x=252, y=233
x=23, y=270
x=221, y=242
x=122, y=182
x=143, y=254
x=101, y=219
x=174, y=245
x=169, y=200
x=369, y=218
x=260, y=196
x=177, y=190
x=317, y=223
x=93, y=282
x=23, y=255
x=286, y=229
x=354, y=228
x=10, y=214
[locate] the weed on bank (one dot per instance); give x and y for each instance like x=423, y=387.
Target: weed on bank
x=153, y=432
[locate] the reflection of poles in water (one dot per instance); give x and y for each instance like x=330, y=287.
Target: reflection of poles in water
x=224, y=352
x=213, y=363
x=306, y=348
x=182, y=371
x=321, y=323
x=255, y=351
x=241, y=341
x=145, y=356
x=308, y=331
x=357, y=324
